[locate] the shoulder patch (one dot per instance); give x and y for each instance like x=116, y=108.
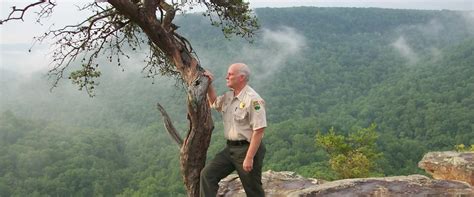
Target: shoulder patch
x=256, y=105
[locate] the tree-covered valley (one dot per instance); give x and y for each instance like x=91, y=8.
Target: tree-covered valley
x=408, y=71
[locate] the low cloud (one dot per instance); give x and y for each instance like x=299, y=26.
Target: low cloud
x=432, y=30
x=405, y=50
x=275, y=49
x=428, y=38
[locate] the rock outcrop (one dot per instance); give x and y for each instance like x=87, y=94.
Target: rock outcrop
x=282, y=184
x=453, y=173
x=274, y=184
x=413, y=185
x=449, y=165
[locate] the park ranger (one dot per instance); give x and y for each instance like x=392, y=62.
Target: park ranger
x=243, y=113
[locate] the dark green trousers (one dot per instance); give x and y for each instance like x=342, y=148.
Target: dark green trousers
x=228, y=160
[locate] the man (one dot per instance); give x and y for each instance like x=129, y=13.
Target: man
x=244, y=119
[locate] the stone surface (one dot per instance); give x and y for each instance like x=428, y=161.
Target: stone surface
x=282, y=184
x=275, y=184
x=449, y=165
x=413, y=185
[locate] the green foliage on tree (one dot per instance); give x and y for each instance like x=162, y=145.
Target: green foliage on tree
x=352, y=156
x=463, y=148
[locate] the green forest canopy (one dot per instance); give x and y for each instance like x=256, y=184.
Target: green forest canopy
x=337, y=67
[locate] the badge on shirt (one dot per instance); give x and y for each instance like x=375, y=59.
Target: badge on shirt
x=256, y=105
x=242, y=105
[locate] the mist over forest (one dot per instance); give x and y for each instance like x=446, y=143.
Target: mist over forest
x=408, y=71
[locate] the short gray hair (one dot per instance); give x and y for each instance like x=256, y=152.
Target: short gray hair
x=244, y=70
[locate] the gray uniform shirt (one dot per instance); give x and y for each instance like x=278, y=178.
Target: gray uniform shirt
x=242, y=114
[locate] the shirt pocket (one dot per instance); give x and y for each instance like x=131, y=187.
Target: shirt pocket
x=240, y=115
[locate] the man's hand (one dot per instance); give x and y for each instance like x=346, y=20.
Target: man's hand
x=248, y=165
x=209, y=75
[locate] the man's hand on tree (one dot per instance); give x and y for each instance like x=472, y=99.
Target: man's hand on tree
x=209, y=75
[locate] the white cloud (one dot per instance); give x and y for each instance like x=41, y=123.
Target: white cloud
x=405, y=50
x=276, y=47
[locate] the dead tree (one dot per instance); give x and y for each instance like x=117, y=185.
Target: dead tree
x=118, y=25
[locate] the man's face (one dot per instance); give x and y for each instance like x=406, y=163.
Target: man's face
x=233, y=77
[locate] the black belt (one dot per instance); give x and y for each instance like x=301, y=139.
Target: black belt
x=237, y=143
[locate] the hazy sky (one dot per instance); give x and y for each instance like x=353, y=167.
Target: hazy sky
x=16, y=36
x=21, y=32
x=399, y=4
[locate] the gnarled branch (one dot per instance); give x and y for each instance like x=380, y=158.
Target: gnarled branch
x=170, y=13
x=87, y=39
x=46, y=10
x=169, y=126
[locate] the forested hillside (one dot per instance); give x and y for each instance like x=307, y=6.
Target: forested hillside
x=408, y=71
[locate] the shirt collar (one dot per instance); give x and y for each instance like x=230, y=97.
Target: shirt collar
x=242, y=93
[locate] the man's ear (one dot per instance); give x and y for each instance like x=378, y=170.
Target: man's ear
x=243, y=78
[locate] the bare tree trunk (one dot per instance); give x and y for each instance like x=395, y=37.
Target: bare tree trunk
x=194, y=149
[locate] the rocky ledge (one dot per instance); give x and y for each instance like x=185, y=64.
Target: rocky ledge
x=282, y=184
x=453, y=173
x=449, y=165
x=274, y=183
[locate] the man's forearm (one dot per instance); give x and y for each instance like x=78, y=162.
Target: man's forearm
x=254, y=143
x=211, y=94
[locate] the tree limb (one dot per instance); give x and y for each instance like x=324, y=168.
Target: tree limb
x=87, y=38
x=169, y=126
x=170, y=13
x=45, y=10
